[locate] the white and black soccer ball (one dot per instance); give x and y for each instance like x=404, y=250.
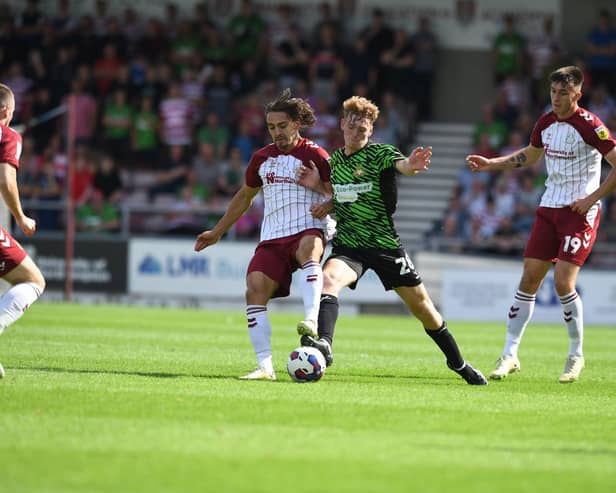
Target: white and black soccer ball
x=306, y=364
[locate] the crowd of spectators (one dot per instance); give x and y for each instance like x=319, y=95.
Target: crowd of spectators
x=166, y=112
x=493, y=212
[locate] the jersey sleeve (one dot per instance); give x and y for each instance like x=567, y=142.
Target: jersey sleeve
x=10, y=146
x=542, y=123
x=598, y=135
x=252, y=177
x=388, y=156
x=322, y=163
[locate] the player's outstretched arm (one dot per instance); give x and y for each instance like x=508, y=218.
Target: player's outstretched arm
x=419, y=160
x=10, y=194
x=239, y=204
x=527, y=156
x=581, y=206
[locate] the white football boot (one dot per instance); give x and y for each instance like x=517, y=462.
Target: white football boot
x=573, y=368
x=504, y=366
x=308, y=328
x=259, y=374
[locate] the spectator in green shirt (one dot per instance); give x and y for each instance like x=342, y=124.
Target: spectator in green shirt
x=144, y=133
x=214, y=133
x=509, y=50
x=97, y=215
x=495, y=128
x=185, y=46
x=117, y=123
x=247, y=31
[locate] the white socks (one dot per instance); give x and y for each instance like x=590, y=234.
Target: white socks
x=574, y=320
x=260, y=332
x=522, y=310
x=259, y=328
x=518, y=317
x=15, y=301
x=312, y=285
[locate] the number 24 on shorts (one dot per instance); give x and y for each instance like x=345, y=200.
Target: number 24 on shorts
x=406, y=265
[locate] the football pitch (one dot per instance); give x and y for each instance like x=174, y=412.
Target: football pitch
x=132, y=399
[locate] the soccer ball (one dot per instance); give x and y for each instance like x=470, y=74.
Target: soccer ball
x=306, y=364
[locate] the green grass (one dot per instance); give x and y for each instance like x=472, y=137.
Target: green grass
x=125, y=399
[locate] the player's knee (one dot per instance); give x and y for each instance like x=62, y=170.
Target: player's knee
x=310, y=251
x=252, y=294
x=331, y=281
x=426, y=312
x=40, y=283
x=37, y=281
x=563, y=286
x=530, y=282
x=257, y=294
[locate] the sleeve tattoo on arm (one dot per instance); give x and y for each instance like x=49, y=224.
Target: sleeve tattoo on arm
x=518, y=159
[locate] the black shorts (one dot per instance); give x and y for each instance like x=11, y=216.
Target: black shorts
x=394, y=267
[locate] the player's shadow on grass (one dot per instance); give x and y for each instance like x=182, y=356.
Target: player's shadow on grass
x=124, y=372
x=357, y=378
x=573, y=451
x=419, y=378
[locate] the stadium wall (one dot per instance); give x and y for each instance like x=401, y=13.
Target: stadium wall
x=167, y=272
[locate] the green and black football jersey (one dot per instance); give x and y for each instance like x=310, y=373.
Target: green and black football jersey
x=365, y=196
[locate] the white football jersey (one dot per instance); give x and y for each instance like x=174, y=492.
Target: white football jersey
x=287, y=204
x=573, y=151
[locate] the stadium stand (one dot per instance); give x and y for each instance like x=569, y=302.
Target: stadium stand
x=170, y=99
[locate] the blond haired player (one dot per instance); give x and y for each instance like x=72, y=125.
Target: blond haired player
x=363, y=176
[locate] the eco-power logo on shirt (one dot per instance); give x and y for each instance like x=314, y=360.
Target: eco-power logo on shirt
x=350, y=192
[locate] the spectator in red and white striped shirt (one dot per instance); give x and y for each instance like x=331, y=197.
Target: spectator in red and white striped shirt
x=290, y=237
x=574, y=141
x=176, y=117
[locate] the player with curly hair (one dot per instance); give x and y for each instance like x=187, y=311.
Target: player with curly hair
x=291, y=238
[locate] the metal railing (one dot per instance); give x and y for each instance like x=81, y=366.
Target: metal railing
x=132, y=216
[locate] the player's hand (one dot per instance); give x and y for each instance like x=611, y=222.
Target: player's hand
x=27, y=225
x=477, y=163
x=319, y=211
x=308, y=176
x=420, y=158
x=582, y=206
x=206, y=239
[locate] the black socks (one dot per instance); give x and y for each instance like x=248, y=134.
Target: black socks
x=328, y=314
x=445, y=341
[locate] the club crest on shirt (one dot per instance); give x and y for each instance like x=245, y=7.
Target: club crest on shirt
x=602, y=132
x=359, y=171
